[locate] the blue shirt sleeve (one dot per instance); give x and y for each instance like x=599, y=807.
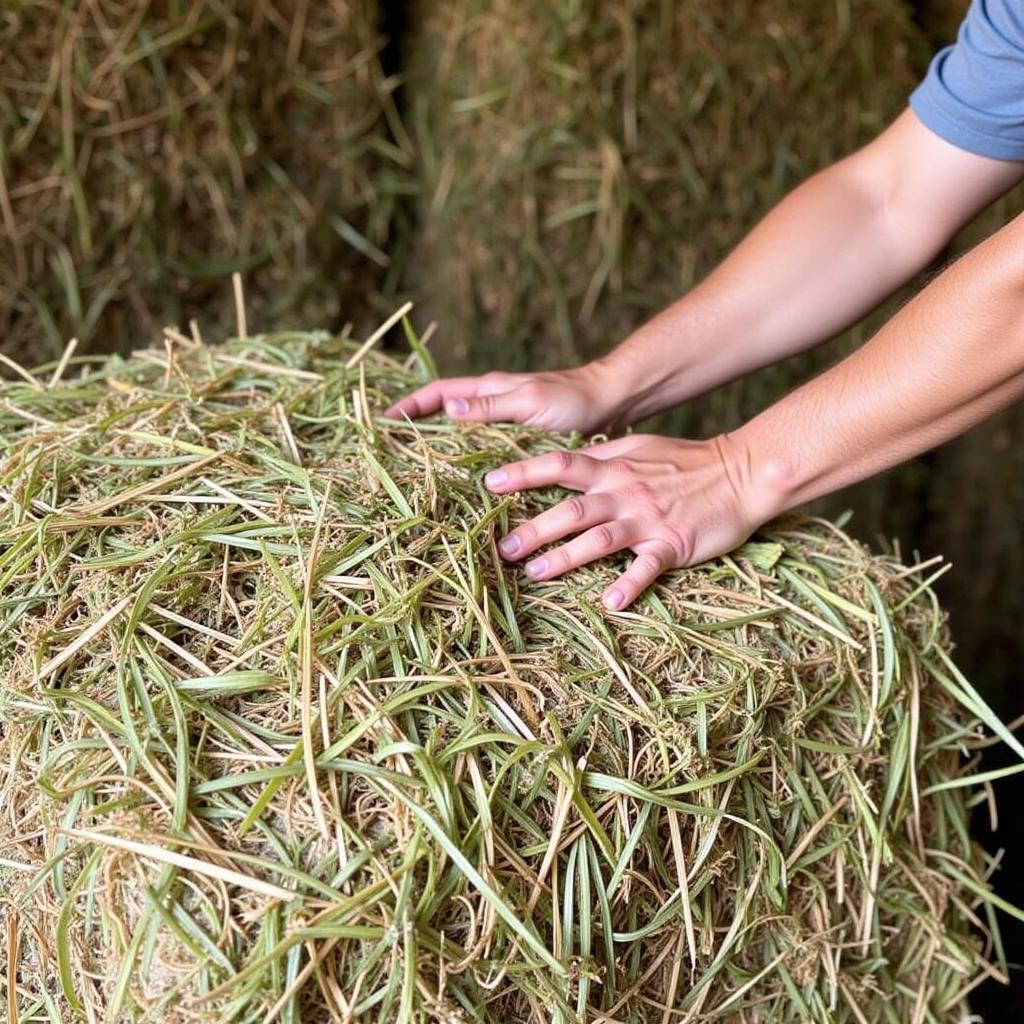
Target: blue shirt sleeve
x=973, y=94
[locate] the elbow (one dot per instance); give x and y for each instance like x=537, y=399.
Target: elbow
x=922, y=190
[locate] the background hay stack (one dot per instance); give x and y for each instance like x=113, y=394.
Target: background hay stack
x=149, y=147
x=585, y=162
x=280, y=733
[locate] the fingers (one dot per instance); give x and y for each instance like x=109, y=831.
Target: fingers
x=513, y=406
x=616, y=448
x=653, y=558
x=484, y=399
x=432, y=397
x=569, y=517
x=595, y=543
x=601, y=537
x=562, y=469
x=607, y=520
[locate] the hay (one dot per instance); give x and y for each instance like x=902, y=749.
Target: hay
x=585, y=163
x=281, y=739
x=149, y=147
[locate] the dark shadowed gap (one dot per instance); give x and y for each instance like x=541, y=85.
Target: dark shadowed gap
x=938, y=19
x=393, y=21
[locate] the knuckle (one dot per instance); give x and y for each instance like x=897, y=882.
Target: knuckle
x=604, y=538
x=621, y=467
x=648, y=511
x=575, y=510
x=680, y=543
x=559, y=561
x=526, y=534
x=649, y=564
x=639, y=489
x=642, y=499
x=561, y=460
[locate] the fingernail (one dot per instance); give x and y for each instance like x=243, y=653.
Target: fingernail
x=613, y=599
x=457, y=407
x=537, y=566
x=496, y=478
x=510, y=545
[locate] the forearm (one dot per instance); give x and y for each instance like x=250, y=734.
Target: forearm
x=824, y=257
x=949, y=359
x=817, y=263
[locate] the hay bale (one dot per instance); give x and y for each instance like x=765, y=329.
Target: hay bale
x=281, y=739
x=149, y=147
x=585, y=163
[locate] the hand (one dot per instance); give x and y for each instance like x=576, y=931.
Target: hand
x=674, y=503
x=583, y=399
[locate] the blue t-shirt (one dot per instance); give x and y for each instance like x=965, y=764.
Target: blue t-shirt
x=973, y=94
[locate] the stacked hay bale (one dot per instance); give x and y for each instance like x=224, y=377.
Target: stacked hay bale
x=149, y=147
x=584, y=162
x=281, y=739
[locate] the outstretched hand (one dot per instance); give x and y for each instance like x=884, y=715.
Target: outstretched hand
x=562, y=400
x=674, y=503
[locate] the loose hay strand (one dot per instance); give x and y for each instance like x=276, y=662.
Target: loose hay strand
x=196, y=864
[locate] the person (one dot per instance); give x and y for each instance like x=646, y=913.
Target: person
x=819, y=261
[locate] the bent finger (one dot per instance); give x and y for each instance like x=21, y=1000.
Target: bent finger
x=431, y=398
x=564, y=469
x=616, y=448
x=596, y=543
x=514, y=405
x=654, y=558
x=568, y=517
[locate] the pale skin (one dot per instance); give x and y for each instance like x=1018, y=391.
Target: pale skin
x=821, y=259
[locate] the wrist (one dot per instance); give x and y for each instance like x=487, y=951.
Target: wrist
x=610, y=393
x=684, y=351
x=764, y=476
x=628, y=386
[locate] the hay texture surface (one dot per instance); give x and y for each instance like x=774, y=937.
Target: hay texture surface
x=281, y=739
x=149, y=147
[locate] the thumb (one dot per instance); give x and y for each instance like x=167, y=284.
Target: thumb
x=514, y=406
